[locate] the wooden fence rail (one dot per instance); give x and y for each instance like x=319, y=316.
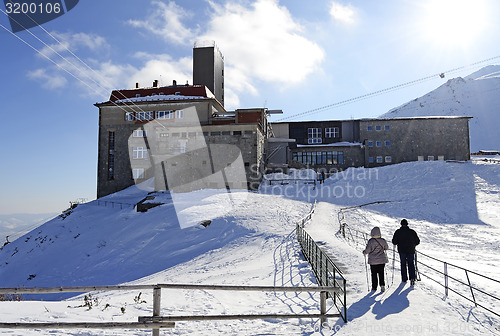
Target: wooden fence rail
x=157, y=322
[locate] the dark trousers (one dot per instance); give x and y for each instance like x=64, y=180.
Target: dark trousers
x=407, y=266
x=377, y=272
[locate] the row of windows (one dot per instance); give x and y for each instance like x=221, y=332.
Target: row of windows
x=378, y=128
x=319, y=158
x=380, y=159
x=379, y=143
x=314, y=134
x=139, y=133
x=151, y=115
x=111, y=155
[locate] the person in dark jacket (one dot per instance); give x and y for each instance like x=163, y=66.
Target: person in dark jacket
x=406, y=239
x=377, y=258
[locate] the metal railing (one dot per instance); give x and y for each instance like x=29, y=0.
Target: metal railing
x=291, y=180
x=464, y=286
x=112, y=204
x=324, y=269
x=156, y=321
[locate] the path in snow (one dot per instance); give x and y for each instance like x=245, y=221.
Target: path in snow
x=402, y=309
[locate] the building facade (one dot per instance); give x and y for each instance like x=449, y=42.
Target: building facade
x=338, y=144
x=182, y=137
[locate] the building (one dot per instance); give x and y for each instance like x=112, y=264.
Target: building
x=180, y=135
x=208, y=68
x=338, y=144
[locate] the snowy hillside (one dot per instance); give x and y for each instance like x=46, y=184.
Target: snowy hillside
x=477, y=95
x=453, y=206
x=16, y=225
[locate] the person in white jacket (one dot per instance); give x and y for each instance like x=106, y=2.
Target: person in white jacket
x=377, y=258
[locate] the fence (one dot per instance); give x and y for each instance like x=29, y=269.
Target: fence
x=114, y=204
x=464, y=287
x=288, y=181
x=156, y=321
x=325, y=270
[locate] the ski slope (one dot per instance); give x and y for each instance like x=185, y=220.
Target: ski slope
x=454, y=207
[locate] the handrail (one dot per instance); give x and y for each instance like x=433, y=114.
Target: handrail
x=446, y=276
x=324, y=269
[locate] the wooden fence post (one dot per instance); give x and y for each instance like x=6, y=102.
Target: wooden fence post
x=322, y=308
x=156, y=306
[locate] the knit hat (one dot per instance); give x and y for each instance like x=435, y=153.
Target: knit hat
x=404, y=222
x=376, y=232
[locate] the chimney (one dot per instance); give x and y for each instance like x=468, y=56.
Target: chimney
x=155, y=83
x=174, y=83
x=136, y=85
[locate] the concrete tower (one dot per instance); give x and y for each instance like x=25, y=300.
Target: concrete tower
x=208, y=68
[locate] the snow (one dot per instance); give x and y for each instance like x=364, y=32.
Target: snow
x=454, y=207
x=159, y=97
x=475, y=95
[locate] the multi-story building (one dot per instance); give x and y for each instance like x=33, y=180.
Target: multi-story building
x=338, y=144
x=180, y=135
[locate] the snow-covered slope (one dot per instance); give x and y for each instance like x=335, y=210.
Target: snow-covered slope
x=477, y=96
x=455, y=208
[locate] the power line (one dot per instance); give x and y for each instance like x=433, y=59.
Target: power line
x=383, y=91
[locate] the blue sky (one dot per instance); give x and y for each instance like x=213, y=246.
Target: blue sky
x=291, y=55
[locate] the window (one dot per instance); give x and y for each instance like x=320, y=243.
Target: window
x=137, y=95
x=236, y=132
x=215, y=133
x=314, y=136
x=378, y=143
x=340, y=156
x=441, y=157
x=139, y=133
x=182, y=146
x=378, y=128
x=388, y=159
x=164, y=115
x=420, y=158
x=430, y=158
x=129, y=116
x=111, y=155
x=144, y=115
x=380, y=159
x=179, y=114
x=332, y=132
x=370, y=143
x=387, y=144
x=138, y=173
x=387, y=127
x=369, y=128
x=140, y=153
x=370, y=159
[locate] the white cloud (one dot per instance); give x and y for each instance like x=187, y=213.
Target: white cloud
x=345, y=14
x=48, y=80
x=73, y=42
x=264, y=42
x=166, y=22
